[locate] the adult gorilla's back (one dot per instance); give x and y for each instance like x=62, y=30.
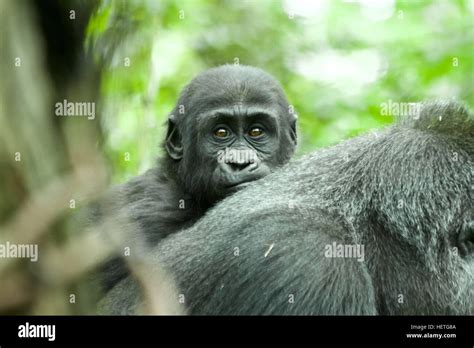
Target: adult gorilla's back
x=404, y=194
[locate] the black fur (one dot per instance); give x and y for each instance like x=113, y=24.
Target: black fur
x=404, y=193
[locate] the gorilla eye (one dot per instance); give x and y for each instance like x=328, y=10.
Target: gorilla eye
x=255, y=132
x=221, y=133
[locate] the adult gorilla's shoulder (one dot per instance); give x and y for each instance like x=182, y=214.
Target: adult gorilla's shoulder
x=402, y=195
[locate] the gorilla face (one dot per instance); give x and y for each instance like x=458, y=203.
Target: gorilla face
x=239, y=128
x=238, y=145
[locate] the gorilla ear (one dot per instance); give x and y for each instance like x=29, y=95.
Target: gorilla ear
x=173, y=143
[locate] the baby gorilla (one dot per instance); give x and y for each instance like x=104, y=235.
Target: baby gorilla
x=231, y=125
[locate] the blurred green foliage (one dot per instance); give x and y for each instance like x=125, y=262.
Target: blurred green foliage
x=336, y=60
